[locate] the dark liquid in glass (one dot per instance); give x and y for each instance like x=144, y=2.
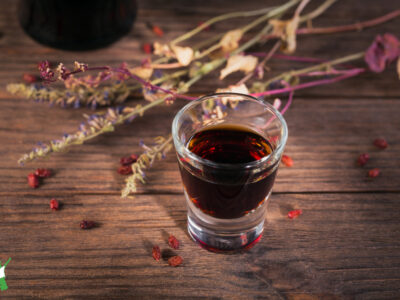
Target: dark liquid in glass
x=224, y=193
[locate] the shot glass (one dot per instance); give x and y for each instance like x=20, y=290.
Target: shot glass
x=229, y=147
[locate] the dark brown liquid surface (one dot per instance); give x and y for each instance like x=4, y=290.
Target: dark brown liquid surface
x=225, y=193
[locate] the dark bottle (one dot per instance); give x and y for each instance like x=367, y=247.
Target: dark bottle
x=76, y=24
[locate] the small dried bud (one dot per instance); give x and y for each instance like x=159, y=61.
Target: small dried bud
x=29, y=78
x=175, y=261
x=43, y=173
x=87, y=224
x=373, y=173
x=158, y=31
x=294, y=213
x=381, y=143
x=156, y=253
x=173, y=242
x=54, y=204
x=287, y=160
x=33, y=181
x=125, y=170
x=147, y=48
x=80, y=66
x=363, y=158
x=128, y=160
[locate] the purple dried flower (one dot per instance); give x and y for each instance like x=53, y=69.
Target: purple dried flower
x=382, y=51
x=45, y=72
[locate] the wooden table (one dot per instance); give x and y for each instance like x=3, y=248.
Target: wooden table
x=345, y=245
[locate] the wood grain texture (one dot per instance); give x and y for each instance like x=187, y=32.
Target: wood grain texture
x=346, y=245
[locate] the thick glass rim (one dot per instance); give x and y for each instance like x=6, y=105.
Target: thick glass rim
x=180, y=147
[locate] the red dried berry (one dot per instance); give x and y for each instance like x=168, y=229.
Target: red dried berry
x=175, y=261
x=29, y=78
x=54, y=204
x=43, y=173
x=173, y=242
x=156, y=252
x=147, y=48
x=125, y=170
x=294, y=213
x=87, y=224
x=128, y=160
x=381, y=143
x=363, y=158
x=287, y=160
x=157, y=30
x=33, y=180
x=374, y=173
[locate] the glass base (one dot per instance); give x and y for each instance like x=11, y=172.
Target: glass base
x=220, y=241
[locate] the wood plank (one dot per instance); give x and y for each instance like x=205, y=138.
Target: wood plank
x=19, y=54
x=325, y=139
x=344, y=245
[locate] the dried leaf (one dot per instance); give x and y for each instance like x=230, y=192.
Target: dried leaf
x=277, y=103
x=241, y=89
x=162, y=49
x=230, y=41
x=234, y=100
x=286, y=30
x=183, y=54
x=142, y=72
x=239, y=63
x=152, y=95
x=382, y=51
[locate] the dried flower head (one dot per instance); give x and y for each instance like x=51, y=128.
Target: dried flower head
x=382, y=51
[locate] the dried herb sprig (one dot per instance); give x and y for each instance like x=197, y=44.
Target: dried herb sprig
x=113, y=94
x=145, y=161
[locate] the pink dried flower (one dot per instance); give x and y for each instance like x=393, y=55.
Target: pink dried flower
x=383, y=51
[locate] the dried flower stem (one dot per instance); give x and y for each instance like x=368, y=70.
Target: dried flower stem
x=261, y=65
x=309, y=84
x=351, y=27
x=219, y=19
x=321, y=66
x=145, y=161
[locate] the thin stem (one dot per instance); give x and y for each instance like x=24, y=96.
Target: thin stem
x=318, y=11
x=270, y=14
x=218, y=19
x=351, y=27
x=262, y=63
x=308, y=84
x=288, y=103
x=316, y=67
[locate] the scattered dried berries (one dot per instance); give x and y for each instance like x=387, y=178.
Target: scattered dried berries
x=157, y=30
x=362, y=159
x=373, y=173
x=54, y=205
x=125, y=170
x=43, y=173
x=175, y=261
x=128, y=160
x=33, y=180
x=294, y=213
x=173, y=242
x=147, y=48
x=287, y=160
x=381, y=143
x=156, y=253
x=87, y=224
x=29, y=78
